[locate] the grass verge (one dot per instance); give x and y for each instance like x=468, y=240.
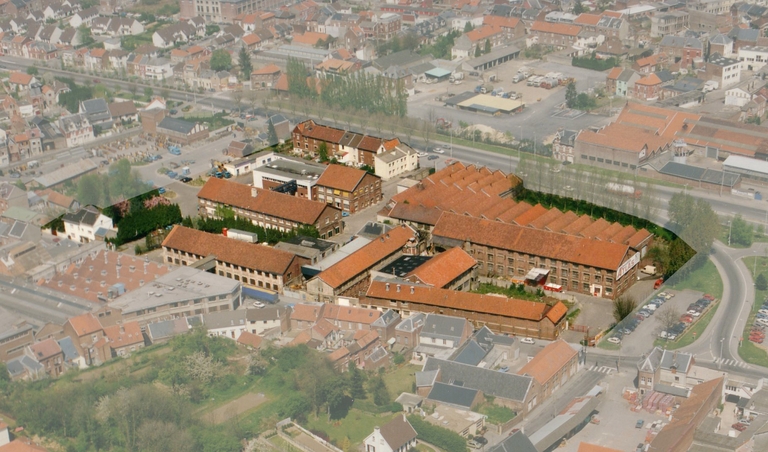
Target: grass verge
x=751, y=352
x=705, y=279
x=496, y=414
x=691, y=333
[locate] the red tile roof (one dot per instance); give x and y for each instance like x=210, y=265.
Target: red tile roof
x=338, y=313
x=85, y=324
x=124, y=335
x=45, y=349
x=22, y=445
x=249, y=255
x=307, y=312
x=625, y=138
x=309, y=38
x=249, y=339
x=615, y=72
x=279, y=205
x=587, y=19
x=269, y=69
x=251, y=39
x=649, y=80
x=442, y=269
x=341, y=177
x=586, y=447
x=566, y=248
x=549, y=361
x=557, y=312
x=500, y=21
x=482, y=33
x=462, y=301
x=367, y=256
x=555, y=28
x=20, y=78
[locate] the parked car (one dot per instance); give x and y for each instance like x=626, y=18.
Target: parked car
x=672, y=336
x=663, y=334
x=481, y=440
x=474, y=444
x=527, y=340
x=161, y=190
x=504, y=369
x=708, y=297
x=739, y=426
x=614, y=340
x=432, y=157
x=439, y=150
x=258, y=304
x=639, y=423
x=186, y=179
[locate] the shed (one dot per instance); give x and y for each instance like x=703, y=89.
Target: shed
x=438, y=73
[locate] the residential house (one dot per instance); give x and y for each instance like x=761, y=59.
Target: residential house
x=182, y=31
x=398, y=435
x=385, y=326
x=365, y=351
x=558, y=35
x=647, y=88
x=254, y=265
x=669, y=23
x=24, y=145
x=250, y=340
x=562, y=145
x=20, y=81
x=351, y=275
x=87, y=225
x=268, y=208
x=49, y=354
x=349, y=189
x=725, y=71
x=394, y=162
x=663, y=370
x=681, y=49
x=650, y=63
x=229, y=324
x=14, y=341
x=407, y=332
x=12, y=196
x=124, y=112
x=552, y=367
x=84, y=17
x=722, y=44
x=77, y=130
x=269, y=318
x=181, y=131
x=97, y=113
x=605, y=24
x=124, y=338
x=753, y=58
x=305, y=315
x=441, y=336
x=85, y=331
x=623, y=83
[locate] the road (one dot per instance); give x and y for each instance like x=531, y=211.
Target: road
x=38, y=304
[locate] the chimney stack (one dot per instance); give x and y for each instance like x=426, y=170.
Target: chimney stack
x=254, y=191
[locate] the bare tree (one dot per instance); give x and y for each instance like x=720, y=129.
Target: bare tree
x=668, y=316
x=237, y=99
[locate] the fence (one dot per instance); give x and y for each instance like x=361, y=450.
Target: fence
x=304, y=431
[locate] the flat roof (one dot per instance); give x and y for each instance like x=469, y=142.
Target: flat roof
x=343, y=252
x=66, y=173
x=182, y=284
x=488, y=102
x=694, y=173
x=740, y=163
x=404, y=265
x=438, y=72
x=459, y=98
x=292, y=169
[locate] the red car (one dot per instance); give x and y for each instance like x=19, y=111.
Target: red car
x=739, y=426
x=708, y=297
x=686, y=318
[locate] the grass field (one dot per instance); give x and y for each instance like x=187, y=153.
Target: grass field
x=355, y=426
x=496, y=414
x=706, y=279
x=401, y=380
x=750, y=352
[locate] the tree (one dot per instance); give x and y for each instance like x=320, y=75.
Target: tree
x=90, y=191
x=356, y=379
x=761, y=283
x=272, y=134
x=622, y=307
x=31, y=70
x=221, y=60
x=487, y=48
x=322, y=152
x=244, y=60
x=578, y=8
x=148, y=93
x=237, y=99
x=468, y=27
x=161, y=436
x=694, y=221
x=477, y=51
x=211, y=29
x=84, y=33
x=741, y=231
x=570, y=95
x=668, y=316
x=379, y=390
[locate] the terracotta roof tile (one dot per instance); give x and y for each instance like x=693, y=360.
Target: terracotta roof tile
x=534, y=242
x=367, y=256
x=549, y=361
x=442, y=269
x=251, y=39
x=555, y=28
x=625, y=138
x=301, y=338
x=341, y=177
x=557, y=312
x=530, y=215
x=249, y=339
x=615, y=72
x=250, y=255
x=500, y=21
x=482, y=33
x=587, y=19
x=20, y=78
x=45, y=349
x=22, y=445
x=463, y=301
x=124, y=335
x=309, y=38
x=307, y=312
x=85, y=324
x=279, y=205
x=649, y=80
x=334, y=312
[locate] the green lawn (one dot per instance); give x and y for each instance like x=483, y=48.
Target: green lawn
x=512, y=292
x=691, y=333
x=605, y=345
x=401, y=380
x=748, y=351
x=705, y=279
x=355, y=426
x=496, y=414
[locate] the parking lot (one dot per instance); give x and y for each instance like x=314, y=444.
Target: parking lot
x=648, y=330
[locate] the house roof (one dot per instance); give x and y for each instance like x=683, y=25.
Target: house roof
x=587, y=447
x=45, y=349
x=249, y=339
x=490, y=382
x=614, y=74
x=85, y=324
x=351, y=314
x=398, y=432
x=482, y=33
x=20, y=78
x=555, y=28
x=501, y=21
x=118, y=109
x=517, y=442
x=453, y=299
x=553, y=245
x=249, y=255
x=279, y=205
x=549, y=361
x=444, y=327
x=453, y=395
x=124, y=334
x=341, y=177
x=307, y=312
x=649, y=80
x=442, y=269
x=367, y=256
x=309, y=38
x=624, y=137
x=21, y=444
x=176, y=125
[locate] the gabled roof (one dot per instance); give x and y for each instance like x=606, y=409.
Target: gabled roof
x=85, y=324
x=341, y=177
x=442, y=269
x=20, y=78
x=517, y=442
x=556, y=28
x=334, y=312
x=490, y=382
x=453, y=395
x=45, y=349
x=549, y=361
x=124, y=335
x=249, y=339
x=649, y=80
x=650, y=362
x=614, y=74
x=444, y=327
x=307, y=312
x=249, y=255
x=279, y=205
x=398, y=432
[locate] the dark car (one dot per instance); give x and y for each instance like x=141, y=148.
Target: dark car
x=481, y=440
x=186, y=179
x=433, y=157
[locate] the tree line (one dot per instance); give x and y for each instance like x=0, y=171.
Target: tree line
x=597, y=64
x=359, y=91
x=119, y=184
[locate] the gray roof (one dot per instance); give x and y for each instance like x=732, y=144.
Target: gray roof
x=265, y=313
x=720, y=39
x=679, y=360
x=680, y=42
x=744, y=34
x=426, y=378
x=493, y=55
x=626, y=75
x=687, y=84
x=377, y=354
x=69, y=349
x=87, y=215
x=568, y=137
x=472, y=353
x=443, y=327
x=728, y=179
x=224, y=319
x=518, y=442
x=373, y=230
x=176, y=125
x=95, y=106
x=672, y=390
x=497, y=384
x=17, y=366
x=386, y=319
x=665, y=76
x=719, y=60
x=412, y=323
x=453, y=395
x=162, y=330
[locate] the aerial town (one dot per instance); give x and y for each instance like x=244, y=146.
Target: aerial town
x=387, y=226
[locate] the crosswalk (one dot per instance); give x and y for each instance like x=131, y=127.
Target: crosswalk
x=604, y=369
x=731, y=362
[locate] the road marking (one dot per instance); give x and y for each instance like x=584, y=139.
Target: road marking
x=603, y=369
x=731, y=362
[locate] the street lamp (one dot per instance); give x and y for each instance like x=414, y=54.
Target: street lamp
x=754, y=267
x=729, y=232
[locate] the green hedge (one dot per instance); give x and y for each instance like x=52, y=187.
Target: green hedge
x=443, y=438
x=590, y=62
x=138, y=224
